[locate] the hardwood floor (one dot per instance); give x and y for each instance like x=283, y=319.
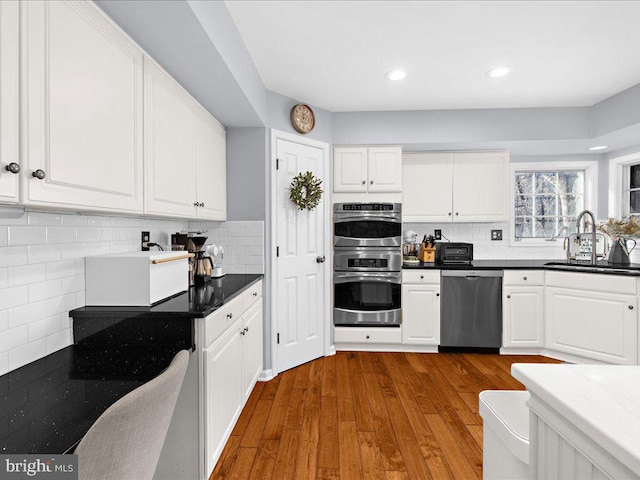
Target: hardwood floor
x=361, y=415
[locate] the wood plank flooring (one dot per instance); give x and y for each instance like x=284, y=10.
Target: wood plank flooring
x=362, y=415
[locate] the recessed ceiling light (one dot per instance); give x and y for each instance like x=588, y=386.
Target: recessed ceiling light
x=598, y=147
x=498, y=72
x=395, y=75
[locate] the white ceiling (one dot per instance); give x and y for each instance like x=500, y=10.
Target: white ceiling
x=334, y=54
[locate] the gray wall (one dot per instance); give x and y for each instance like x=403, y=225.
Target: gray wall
x=279, y=109
x=247, y=159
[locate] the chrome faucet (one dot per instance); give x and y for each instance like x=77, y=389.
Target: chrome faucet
x=593, y=233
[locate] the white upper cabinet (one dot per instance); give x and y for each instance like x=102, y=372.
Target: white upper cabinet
x=82, y=84
x=427, y=186
x=480, y=186
x=9, y=100
x=185, y=152
x=367, y=169
x=455, y=186
x=170, y=145
x=211, y=168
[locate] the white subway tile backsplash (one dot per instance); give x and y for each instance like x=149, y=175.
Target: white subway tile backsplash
x=100, y=221
x=71, y=220
x=27, y=353
x=14, y=297
x=26, y=274
x=13, y=337
x=45, y=290
x=4, y=320
x=61, y=304
x=19, y=235
x=4, y=363
x=61, y=235
x=44, y=253
x=38, y=218
x=27, y=313
x=73, y=284
x=42, y=269
x=43, y=328
x=74, y=250
x=87, y=234
x=65, y=268
x=59, y=340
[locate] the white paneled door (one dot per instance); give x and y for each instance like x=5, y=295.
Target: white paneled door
x=300, y=246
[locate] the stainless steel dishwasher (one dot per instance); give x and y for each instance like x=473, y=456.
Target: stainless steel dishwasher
x=471, y=308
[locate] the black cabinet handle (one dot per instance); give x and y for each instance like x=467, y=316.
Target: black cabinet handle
x=421, y=276
x=437, y=294
x=39, y=174
x=368, y=337
x=508, y=296
x=630, y=307
x=229, y=315
x=524, y=278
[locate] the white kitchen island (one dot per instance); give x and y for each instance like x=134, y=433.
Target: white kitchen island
x=584, y=420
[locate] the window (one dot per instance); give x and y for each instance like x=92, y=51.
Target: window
x=631, y=203
x=548, y=197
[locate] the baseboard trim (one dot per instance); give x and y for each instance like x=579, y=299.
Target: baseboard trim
x=382, y=347
x=520, y=351
x=332, y=351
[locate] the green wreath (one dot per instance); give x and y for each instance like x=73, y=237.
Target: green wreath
x=305, y=191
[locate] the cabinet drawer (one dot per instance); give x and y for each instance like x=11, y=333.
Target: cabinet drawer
x=421, y=276
x=216, y=323
x=367, y=335
x=523, y=277
x=252, y=294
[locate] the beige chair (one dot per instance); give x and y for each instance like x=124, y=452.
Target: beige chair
x=125, y=441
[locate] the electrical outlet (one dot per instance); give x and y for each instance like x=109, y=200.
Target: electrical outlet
x=496, y=234
x=144, y=241
x=437, y=234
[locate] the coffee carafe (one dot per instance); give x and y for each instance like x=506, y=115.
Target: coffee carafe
x=201, y=265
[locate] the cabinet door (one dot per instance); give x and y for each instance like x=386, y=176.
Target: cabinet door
x=523, y=316
x=481, y=186
x=223, y=392
x=597, y=325
x=427, y=187
x=83, y=115
x=211, y=167
x=421, y=314
x=252, y=347
x=350, y=169
x=170, y=145
x=9, y=98
x=385, y=169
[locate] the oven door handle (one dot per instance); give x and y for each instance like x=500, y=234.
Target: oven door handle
x=365, y=217
x=382, y=277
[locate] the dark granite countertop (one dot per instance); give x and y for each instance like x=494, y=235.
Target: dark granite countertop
x=197, y=302
x=48, y=405
x=632, y=269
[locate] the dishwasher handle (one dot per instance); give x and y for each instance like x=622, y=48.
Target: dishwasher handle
x=473, y=273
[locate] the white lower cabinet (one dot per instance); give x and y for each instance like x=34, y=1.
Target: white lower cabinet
x=420, y=307
x=523, y=309
x=593, y=324
x=421, y=314
x=523, y=317
x=232, y=363
x=224, y=393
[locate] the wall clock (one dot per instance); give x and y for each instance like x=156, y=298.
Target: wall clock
x=302, y=118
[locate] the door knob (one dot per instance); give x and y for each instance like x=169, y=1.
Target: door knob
x=320, y=259
x=13, y=168
x=39, y=174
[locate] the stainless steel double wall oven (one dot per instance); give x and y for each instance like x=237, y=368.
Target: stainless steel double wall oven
x=367, y=264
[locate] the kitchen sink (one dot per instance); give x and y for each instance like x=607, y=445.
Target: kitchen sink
x=585, y=267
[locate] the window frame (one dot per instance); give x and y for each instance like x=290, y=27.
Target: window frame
x=618, y=184
x=590, y=168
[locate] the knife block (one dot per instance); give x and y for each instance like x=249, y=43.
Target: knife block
x=427, y=254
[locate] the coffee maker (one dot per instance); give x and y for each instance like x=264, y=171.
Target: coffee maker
x=200, y=265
